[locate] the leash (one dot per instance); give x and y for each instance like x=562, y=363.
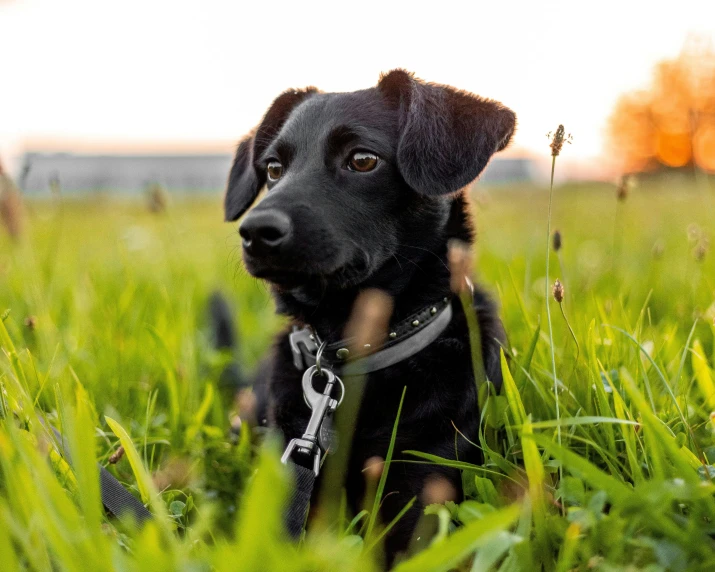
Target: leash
x=319, y=359
x=312, y=447
x=116, y=500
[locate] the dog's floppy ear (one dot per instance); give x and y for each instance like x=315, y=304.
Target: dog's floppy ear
x=447, y=136
x=244, y=182
x=246, y=178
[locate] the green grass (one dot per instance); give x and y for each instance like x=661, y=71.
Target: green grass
x=118, y=300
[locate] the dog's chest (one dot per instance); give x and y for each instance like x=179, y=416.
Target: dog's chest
x=438, y=389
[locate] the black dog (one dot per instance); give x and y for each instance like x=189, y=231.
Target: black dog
x=363, y=191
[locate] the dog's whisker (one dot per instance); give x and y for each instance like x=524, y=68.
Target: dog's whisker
x=427, y=250
x=408, y=259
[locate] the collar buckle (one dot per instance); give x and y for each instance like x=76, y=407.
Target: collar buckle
x=302, y=337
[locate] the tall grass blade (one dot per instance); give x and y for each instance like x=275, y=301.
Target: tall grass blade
x=383, y=477
x=703, y=374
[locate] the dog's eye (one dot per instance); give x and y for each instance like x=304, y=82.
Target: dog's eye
x=275, y=170
x=362, y=161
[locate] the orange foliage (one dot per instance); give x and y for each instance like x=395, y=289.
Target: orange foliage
x=672, y=124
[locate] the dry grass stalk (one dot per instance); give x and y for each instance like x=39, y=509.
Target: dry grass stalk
x=438, y=490
x=558, y=139
x=459, y=257
x=556, y=241
x=373, y=469
x=369, y=320
x=11, y=206
x=558, y=291
x=557, y=143
x=157, y=198
x=246, y=404
x=177, y=473
x=624, y=186
x=368, y=325
x=115, y=457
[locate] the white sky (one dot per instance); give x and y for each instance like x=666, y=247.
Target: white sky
x=152, y=74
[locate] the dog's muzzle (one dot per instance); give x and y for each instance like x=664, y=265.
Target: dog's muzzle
x=265, y=231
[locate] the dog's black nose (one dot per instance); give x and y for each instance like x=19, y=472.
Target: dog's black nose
x=263, y=231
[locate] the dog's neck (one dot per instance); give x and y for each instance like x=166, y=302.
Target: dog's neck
x=419, y=278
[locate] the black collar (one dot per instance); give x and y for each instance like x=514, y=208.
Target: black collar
x=404, y=340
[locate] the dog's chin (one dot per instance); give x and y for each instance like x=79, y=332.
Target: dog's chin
x=290, y=277
x=282, y=278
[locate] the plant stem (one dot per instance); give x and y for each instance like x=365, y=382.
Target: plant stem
x=573, y=334
x=617, y=237
x=548, y=309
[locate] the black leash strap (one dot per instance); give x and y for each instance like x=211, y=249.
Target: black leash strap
x=310, y=449
x=117, y=500
x=297, y=509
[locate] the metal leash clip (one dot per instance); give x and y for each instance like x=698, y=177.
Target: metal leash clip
x=301, y=337
x=322, y=404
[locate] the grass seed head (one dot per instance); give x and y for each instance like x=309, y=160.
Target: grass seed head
x=624, y=186
x=115, y=457
x=700, y=240
x=459, y=257
x=235, y=422
x=246, y=404
x=694, y=232
x=157, y=198
x=700, y=251
x=369, y=320
x=438, y=490
x=558, y=291
x=11, y=207
x=558, y=139
x=55, y=186
x=556, y=241
x=373, y=468
x=177, y=472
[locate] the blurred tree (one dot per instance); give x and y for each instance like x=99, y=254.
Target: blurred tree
x=671, y=124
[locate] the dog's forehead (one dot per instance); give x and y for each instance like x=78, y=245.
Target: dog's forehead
x=314, y=119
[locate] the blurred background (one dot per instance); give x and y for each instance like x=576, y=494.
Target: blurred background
x=97, y=98
x=118, y=121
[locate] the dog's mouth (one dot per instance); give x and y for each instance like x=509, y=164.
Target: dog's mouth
x=290, y=276
x=283, y=279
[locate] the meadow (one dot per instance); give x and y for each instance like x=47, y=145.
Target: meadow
x=104, y=308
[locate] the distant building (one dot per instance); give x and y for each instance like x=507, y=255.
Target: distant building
x=71, y=173
x=508, y=171
x=124, y=173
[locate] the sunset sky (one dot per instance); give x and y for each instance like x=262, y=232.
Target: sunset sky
x=152, y=75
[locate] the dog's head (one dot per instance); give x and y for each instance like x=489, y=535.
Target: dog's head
x=352, y=177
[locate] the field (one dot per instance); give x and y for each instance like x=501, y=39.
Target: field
x=107, y=319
